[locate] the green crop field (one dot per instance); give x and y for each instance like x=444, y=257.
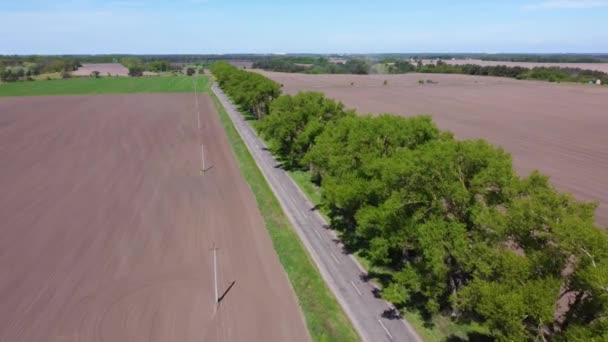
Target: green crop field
x=106, y=85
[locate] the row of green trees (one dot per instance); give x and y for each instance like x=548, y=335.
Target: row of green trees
x=460, y=233
x=137, y=66
x=281, y=65
x=558, y=58
x=62, y=65
x=399, y=66
x=550, y=74
x=252, y=92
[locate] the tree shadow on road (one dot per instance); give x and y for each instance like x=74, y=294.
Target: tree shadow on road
x=247, y=115
x=382, y=279
x=391, y=314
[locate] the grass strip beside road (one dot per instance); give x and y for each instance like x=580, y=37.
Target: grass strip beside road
x=106, y=85
x=324, y=317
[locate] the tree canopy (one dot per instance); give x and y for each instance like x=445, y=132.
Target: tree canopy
x=295, y=122
x=253, y=92
x=136, y=70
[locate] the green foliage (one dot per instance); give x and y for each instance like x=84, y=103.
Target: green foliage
x=7, y=75
x=459, y=228
x=550, y=74
x=401, y=67
x=129, y=62
x=295, y=122
x=314, y=65
x=253, y=92
x=281, y=65
x=61, y=65
x=357, y=67
x=19, y=71
x=346, y=157
x=190, y=71
x=136, y=71
x=440, y=68
x=158, y=66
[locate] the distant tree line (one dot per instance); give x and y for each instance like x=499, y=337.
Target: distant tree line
x=400, y=66
x=14, y=75
x=281, y=65
x=137, y=66
x=459, y=233
x=502, y=57
x=309, y=65
x=550, y=74
x=574, y=58
x=14, y=69
x=159, y=66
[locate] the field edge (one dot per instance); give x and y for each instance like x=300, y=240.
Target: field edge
x=325, y=319
x=107, y=85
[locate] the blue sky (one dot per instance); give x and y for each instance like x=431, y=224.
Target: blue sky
x=340, y=26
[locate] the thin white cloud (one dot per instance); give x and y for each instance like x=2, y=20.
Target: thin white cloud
x=566, y=4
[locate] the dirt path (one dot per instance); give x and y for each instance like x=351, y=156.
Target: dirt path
x=559, y=129
x=106, y=224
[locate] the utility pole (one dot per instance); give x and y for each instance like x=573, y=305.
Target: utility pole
x=203, y=158
x=214, y=249
x=218, y=298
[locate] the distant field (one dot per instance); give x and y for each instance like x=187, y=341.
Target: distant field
x=114, y=69
x=106, y=69
x=589, y=66
x=106, y=85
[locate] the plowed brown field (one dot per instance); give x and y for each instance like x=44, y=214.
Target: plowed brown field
x=106, y=225
x=114, y=69
x=559, y=129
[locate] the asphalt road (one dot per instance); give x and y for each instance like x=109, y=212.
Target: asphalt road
x=374, y=319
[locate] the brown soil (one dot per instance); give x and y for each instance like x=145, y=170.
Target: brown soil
x=114, y=69
x=589, y=66
x=559, y=129
x=106, y=225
